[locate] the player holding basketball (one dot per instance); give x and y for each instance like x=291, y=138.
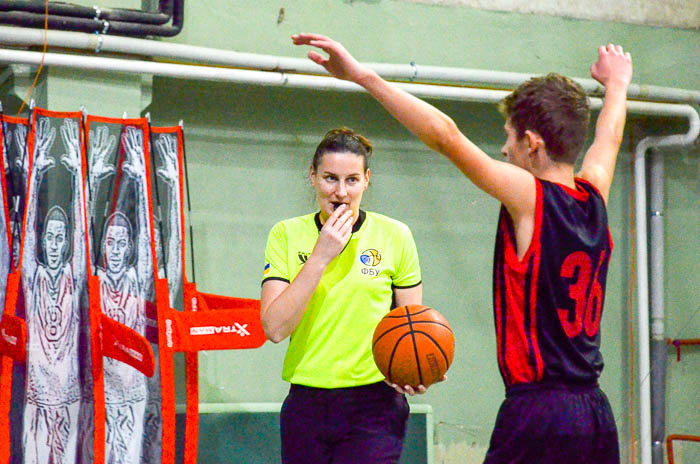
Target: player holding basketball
x=329, y=278
x=552, y=248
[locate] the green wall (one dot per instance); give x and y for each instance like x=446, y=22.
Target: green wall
x=249, y=147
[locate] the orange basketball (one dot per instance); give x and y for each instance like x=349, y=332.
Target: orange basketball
x=413, y=345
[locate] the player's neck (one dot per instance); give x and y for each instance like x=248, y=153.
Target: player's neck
x=559, y=173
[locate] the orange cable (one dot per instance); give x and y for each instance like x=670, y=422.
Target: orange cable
x=41, y=65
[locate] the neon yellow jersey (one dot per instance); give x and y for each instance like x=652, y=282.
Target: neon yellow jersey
x=332, y=346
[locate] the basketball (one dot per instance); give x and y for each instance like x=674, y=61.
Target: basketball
x=413, y=345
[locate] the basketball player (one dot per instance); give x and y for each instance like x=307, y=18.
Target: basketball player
x=329, y=278
x=552, y=248
x=52, y=401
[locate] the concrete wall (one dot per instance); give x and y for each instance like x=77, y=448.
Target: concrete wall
x=666, y=13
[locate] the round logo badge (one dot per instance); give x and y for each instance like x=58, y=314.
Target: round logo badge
x=370, y=257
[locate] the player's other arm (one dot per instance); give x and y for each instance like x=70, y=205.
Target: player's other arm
x=408, y=296
x=511, y=185
x=614, y=70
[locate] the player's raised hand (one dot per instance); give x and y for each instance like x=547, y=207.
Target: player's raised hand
x=614, y=66
x=339, y=62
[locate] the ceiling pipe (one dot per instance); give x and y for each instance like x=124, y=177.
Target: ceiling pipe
x=95, y=25
x=283, y=79
x=17, y=36
x=95, y=12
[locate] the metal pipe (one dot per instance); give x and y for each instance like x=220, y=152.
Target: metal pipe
x=658, y=340
x=678, y=342
x=240, y=76
x=410, y=72
x=79, y=11
x=642, y=271
x=95, y=25
x=669, y=443
x=282, y=79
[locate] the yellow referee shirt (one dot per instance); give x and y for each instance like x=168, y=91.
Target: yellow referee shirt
x=332, y=346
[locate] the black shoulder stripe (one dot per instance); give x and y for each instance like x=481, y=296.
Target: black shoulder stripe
x=274, y=278
x=406, y=286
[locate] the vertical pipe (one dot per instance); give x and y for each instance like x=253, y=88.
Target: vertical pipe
x=642, y=270
x=656, y=295
x=642, y=302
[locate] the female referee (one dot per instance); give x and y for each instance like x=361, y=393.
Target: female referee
x=329, y=278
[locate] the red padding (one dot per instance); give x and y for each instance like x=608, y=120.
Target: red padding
x=98, y=380
x=231, y=328
x=210, y=322
x=216, y=302
x=124, y=344
x=6, y=364
x=192, y=385
x=5, y=394
x=167, y=372
x=13, y=337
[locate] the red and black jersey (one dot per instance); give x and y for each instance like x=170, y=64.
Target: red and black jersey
x=548, y=306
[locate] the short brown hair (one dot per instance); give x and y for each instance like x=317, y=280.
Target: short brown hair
x=343, y=140
x=556, y=108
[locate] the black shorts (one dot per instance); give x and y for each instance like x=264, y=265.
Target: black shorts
x=362, y=425
x=554, y=424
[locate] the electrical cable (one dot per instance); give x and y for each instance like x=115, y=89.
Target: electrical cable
x=43, y=55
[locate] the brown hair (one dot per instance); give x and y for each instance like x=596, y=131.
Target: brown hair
x=343, y=140
x=556, y=108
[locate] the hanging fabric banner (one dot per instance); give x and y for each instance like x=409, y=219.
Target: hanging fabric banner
x=13, y=150
x=52, y=274
x=166, y=197
x=120, y=224
x=97, y=303
x=16, y=163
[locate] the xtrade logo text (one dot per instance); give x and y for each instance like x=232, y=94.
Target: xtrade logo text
x=240, y=329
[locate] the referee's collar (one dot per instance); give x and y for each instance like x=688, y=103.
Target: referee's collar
x=355, y=227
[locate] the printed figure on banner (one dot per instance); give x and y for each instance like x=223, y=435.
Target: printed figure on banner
x=53, y=278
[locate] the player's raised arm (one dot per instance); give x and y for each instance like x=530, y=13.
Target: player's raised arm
x=508, y=183
x=613, y=69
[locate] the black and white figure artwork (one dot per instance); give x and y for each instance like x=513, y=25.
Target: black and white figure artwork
x=5, y=242
x=122, y=259
x=53, y=278
x=16, y=160
x=168, y=227
x=168, y=245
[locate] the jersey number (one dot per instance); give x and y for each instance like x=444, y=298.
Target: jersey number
x=586, y=292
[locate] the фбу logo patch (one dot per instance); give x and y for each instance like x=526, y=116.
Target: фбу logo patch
x=370, y=257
